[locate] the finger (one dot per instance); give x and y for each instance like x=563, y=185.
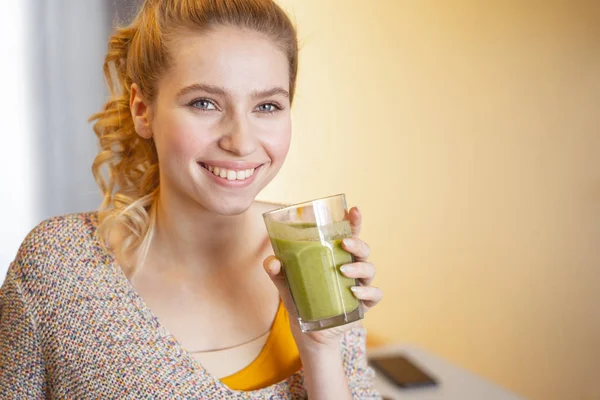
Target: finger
x=272, y=266
x=369, y=295
x=355, y=218
x=364, y=271
x=358, y=248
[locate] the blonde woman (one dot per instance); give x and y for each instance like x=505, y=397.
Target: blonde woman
x=170, y=291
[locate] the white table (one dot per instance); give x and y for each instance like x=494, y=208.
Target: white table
x=454, y=383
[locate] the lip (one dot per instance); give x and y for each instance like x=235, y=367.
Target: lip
x=234, y=165
x=226, y=182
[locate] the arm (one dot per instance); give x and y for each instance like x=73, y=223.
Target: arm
x=342, y=371
x=21, y=366
x=324, y=374
x=361, y=377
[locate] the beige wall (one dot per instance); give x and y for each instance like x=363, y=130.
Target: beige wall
x=469, y=134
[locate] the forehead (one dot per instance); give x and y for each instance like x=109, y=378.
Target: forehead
x=238, y=60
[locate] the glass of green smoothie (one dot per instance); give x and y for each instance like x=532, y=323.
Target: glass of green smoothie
x=307, y=239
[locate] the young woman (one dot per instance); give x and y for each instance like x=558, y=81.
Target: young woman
x=171, y=291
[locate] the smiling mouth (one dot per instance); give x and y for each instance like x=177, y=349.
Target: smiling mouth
x=230, y=174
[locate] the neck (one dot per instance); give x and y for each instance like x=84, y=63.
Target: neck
x=195, y=239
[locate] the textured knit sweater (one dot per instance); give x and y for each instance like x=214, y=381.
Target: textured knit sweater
x=72, y=327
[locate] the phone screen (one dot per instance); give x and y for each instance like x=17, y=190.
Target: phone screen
x=402, y=371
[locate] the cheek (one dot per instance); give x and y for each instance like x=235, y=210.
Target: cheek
x=278, y=143
x=177, y=139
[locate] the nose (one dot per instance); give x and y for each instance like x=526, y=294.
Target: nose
x=238, y=137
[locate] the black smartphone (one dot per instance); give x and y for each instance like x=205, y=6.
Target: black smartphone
x=402, y=371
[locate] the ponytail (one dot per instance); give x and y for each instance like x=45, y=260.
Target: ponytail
x=126, y=167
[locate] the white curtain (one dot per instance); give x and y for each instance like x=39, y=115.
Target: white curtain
x=54, y=84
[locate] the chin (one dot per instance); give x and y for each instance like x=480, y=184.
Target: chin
x=228, y=207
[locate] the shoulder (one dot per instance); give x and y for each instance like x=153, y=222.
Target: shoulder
x=63, y=234
x=57, y=243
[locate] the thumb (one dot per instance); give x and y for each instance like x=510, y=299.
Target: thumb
x=274, y=269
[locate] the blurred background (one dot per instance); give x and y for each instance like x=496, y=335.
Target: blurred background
x=467, y=131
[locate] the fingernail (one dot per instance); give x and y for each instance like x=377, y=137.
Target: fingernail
x=358, y=209
x=348, y=242
x=345, y=269
x=356, y=289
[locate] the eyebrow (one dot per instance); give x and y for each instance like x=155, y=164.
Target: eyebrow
x=201, y=87
x=270, y=92
x=217, y=90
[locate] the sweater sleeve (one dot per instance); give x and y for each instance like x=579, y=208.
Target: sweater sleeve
x=354, y=355
x=21, y=365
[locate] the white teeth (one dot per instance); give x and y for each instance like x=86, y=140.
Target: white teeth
x=230, y=174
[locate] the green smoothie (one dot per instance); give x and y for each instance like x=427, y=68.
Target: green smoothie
x=311, y=267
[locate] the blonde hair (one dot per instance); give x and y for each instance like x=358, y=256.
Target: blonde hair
x=126, y=167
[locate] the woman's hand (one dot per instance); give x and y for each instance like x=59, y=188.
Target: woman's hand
x=362, y=270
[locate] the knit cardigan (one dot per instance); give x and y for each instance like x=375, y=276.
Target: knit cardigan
x=72, y=327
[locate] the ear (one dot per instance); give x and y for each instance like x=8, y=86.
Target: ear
x=140, y=112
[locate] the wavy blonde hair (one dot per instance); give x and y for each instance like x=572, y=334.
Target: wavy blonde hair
x=126, y=167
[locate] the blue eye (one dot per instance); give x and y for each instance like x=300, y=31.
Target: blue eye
x=203, y=104
x=268, y=108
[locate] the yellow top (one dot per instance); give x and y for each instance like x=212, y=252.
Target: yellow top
x=278, y=359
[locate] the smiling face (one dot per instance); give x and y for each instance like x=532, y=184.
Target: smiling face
x=220, y=120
